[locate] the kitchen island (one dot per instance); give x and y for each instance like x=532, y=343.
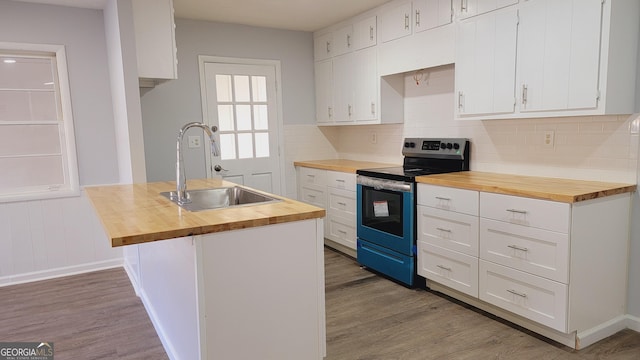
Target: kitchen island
x=243, y=282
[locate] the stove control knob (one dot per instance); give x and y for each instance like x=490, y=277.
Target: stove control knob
x=449, y=145
x=412, y=144
x=456, y=146
x=443, y=146
x=406, y=144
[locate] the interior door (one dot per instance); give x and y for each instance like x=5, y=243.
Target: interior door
x=241, y=101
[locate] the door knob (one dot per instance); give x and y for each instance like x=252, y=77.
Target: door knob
x=219, y=168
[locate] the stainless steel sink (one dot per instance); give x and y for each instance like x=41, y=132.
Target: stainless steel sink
x=217, y=198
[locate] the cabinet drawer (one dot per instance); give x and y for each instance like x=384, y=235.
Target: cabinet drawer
x=313, y=196
x=343, y=202
x=341, y=180
x=450, y=268
x=536, y=251
x=342, y=230
x=449, y=230
x=446, y=198
x=530, y=296
x=311, y=176
x=549, y=215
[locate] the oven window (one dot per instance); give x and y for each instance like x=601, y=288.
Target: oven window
x=382, y=210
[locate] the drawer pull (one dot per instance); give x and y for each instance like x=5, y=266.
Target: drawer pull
x=516, y=247
x=517, y=293
x=445, y=230
x=342, y=232
x=340, y=180
x=312, y=196
x=341, y=203
x=442, y=198
x=444, y=267
x=311, y=176
x=517, y=211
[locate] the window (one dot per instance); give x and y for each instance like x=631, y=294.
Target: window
x=37, y=145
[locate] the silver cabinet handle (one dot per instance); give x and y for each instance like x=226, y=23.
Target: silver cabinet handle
x=515, y=247
x=371, y=33
x=350, y=108
x=406, y=21
x=348, y=40
x=340, y=180
x=445, y=230
x=444, y=267
x=373, y=108
x=460, y=100
x=517, y=211
x=330, y=111
x=517, y=293
x=343, y=204
x=417, y=18
x=443, y=198
x=328, y=47
x=342, y=232
x=525, y=91
x=311, y=196
x=311, y=176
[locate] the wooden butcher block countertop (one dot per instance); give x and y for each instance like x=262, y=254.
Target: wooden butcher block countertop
x=133, y=214
x=562, y=190
x=342, y=165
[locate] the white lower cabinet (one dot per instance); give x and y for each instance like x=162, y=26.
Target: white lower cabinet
x=334, y=191
x=556, y=268
x=541, y=300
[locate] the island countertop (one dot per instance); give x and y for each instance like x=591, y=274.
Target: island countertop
x=562, y=190
x=137, y=213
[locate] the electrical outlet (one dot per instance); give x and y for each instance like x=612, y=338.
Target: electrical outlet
x=374, y=138
x=548, y=138
x=194, y=142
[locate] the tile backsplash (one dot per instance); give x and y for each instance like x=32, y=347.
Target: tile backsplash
x=601, y=148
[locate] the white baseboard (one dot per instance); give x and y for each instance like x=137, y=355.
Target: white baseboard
x=134, y=281
x=168, y=348
x=59, y=272
x=633, y=323
x=604, y=330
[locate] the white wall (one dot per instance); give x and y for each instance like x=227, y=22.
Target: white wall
x=170, y=105
x=39, y=239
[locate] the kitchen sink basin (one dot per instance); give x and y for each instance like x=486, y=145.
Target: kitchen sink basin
x=217, y=198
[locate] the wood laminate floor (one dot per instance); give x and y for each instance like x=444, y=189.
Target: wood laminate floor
x=369, y=317
x=98, y=316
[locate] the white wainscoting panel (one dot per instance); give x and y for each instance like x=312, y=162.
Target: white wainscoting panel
x=49, y=238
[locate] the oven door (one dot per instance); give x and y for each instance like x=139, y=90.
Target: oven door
x=385, y=213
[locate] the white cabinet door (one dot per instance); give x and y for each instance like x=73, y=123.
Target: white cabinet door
x=486, y=64
x=343, y=84
x=322, y=46
x=558, y=54
x=366, y=84
x=429, y=14
x=365, y=33
x=342, y=40
x=468, y=8
x=154, y=29
x=396, y=23
x=324, y=91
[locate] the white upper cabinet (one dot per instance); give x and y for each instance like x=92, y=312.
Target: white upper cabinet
x=343, y=40
x=429, y=14
x=396, y=22
x=486, y=63
x=365, y=33
x=324, y=91
x=322, y=46
x=469, y=8
x=558, y=54
x=573, y=58
x=155, y=39
x=366, y=85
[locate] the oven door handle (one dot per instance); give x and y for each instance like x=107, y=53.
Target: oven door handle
x=384, y=184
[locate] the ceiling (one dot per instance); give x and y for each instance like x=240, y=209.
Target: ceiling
x=301, y=15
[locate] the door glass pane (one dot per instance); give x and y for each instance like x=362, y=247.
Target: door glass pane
x=261, y=118
x=242, y=88
x=243, y=113
x=223, y=88
x=245, y=146
x=225, y=117
x=227, y=146
x=259, y=87
x=262, y=145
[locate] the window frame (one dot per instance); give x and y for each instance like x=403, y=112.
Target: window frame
x=71, y=185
